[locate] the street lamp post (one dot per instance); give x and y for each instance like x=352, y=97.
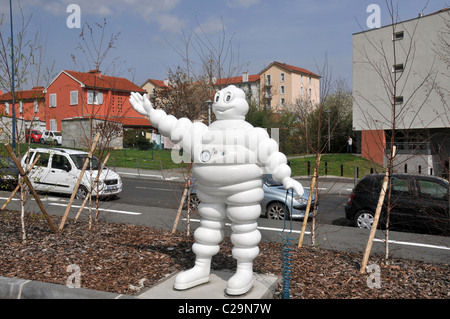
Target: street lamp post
x=328, y=112
x=12, y=81
x=209, y=102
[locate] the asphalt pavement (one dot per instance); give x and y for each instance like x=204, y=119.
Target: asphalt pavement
x=406, y=245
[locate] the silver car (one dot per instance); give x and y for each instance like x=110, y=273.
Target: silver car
x=275, y=201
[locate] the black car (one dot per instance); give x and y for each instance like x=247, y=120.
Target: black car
x=9, y=173
x=417, y=201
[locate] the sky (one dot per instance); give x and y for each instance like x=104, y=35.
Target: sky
x=296, y=32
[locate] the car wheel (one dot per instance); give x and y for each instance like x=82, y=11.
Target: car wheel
x=275, y=211
x=364, y=219
x=82, y=192
x=194, y=201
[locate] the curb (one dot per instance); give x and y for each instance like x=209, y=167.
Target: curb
x=12, y=288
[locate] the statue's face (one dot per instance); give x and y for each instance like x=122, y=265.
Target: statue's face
x=230, y=104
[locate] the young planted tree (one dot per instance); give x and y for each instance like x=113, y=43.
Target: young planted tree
x=400, y=90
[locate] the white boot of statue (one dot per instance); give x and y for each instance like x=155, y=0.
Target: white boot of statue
x=230, y=158
x=208, y=237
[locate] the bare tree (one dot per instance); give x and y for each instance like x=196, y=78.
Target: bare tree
x=394, y=73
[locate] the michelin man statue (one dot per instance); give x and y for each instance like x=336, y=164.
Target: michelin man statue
x=229, y=158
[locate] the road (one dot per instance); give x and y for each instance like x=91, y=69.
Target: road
x=154, y=203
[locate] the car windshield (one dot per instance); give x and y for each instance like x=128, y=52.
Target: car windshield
x=268, y=180
x=79, y=159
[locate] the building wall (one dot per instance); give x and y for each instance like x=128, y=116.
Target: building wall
x=114, y=104
x=62, y=87
x=373, y=144
x=293, y=83
x=421, y=107
x=76, y=134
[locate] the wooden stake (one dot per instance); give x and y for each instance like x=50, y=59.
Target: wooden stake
x=186, y=187
x=74, y=193
x=375, y=223
x=92, y=187
x=30, y=186
x=308, y=206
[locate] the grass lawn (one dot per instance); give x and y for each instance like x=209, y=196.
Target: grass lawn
x=144, y=159
x=162, y=159
x=330, y=164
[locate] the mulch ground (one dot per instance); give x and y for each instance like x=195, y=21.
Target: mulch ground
x=122, y=258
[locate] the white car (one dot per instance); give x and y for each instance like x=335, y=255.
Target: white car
x=52, y=137
x=58, y=169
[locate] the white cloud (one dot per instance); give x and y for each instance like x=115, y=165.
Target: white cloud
x=159, y=11
x=242, y=3
x=210, y=26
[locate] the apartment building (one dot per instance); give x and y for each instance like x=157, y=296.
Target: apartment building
x=406, y=53
x=283, y=85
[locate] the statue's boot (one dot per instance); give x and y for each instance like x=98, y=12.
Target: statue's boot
x=207, y=239
x=195, y=276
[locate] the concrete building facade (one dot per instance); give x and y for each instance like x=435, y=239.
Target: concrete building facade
x=401, y=88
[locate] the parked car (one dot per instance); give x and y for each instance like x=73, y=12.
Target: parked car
x=51, y=137
x=33, y=136
x=417, y=201
x=58, y=170
x=9, y=173
x=275, y=203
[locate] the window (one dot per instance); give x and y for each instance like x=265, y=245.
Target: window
x=43, y=159
x=282, y=89
x=20, y=107
x=432, y=189
x=268, y=79
x=53, y=125
x=7, y=108
x=36, y=106
x=398, y=100
x=397, y=68
x=53, y=100
x=73, y=97
x=310, y=92
x=400, y=186
x=301, y=78
x=310, y=80
x=61, y=162
x=301, y=91
x=398, y=35
x=95, y=97
x=282, y=77
x=283, y=102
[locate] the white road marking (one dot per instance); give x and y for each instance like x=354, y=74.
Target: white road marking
x=262, y=228
x=151, y=175
x=377, y=240
x=154, y=188
x=407, y=243
x=101, y=209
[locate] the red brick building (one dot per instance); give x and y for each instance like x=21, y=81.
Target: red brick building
x=74, y=95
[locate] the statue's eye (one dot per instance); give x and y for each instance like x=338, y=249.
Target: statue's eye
x=228, y=97
x=217, y=97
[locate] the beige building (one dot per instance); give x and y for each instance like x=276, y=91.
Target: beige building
x=282, y=85
x=151, y=85
x=276, y=87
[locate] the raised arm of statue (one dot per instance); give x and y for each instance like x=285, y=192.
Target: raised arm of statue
x=168, y=125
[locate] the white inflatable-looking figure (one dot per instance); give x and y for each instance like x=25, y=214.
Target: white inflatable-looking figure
x=230, y=158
